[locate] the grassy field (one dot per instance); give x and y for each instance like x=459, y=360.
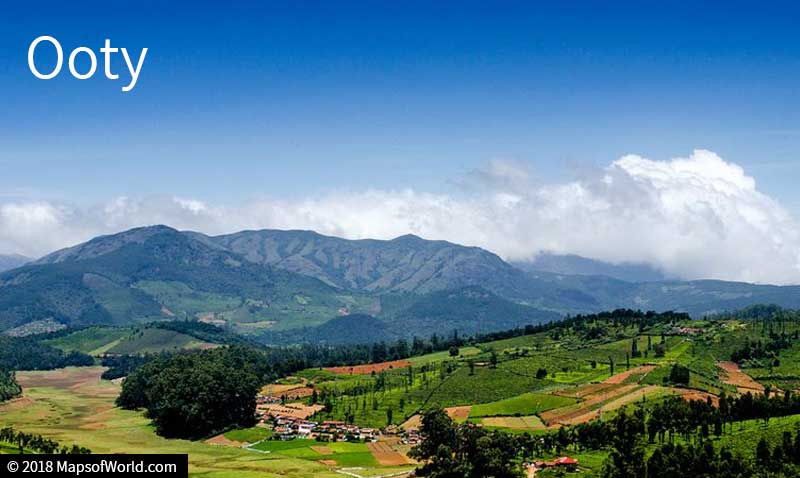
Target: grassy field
x=154, y=340
x=343, y=454
x=525, y=404
x=74, y=406
x=92, y=341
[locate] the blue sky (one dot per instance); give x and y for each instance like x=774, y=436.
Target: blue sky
x=497, y=124
x=265, y=98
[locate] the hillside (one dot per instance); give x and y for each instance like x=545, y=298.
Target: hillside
x=12, y=261
x=158, y=273
x=259, y=283
x=405, y=264
x=465, y=311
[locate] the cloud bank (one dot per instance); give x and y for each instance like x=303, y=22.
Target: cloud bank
x=695, y=217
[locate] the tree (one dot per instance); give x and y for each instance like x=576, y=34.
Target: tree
x=471, y=364
x=389, y=416
x=454, y=351
x=493, y=359
x=541, y=373
x=679, y=375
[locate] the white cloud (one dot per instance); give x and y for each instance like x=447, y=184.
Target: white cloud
x=695, y=217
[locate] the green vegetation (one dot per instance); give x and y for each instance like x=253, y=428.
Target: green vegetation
x=249, y=435
x=343, y=453
x=91, y=340
x=154, y=340
x=75, y=406
x=28, y=353
x=9, y=388
x=525, y=404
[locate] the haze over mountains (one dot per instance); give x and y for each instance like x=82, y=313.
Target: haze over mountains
x=289, y=286
x=12, y=261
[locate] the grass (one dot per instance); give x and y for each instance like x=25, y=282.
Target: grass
x=154, y=340
x=92, y=341
x=249, y=435
x=344, y=454
x=80, y=410
x=525, y=404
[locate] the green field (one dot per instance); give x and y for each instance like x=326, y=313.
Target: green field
x=74, y=406
x=525, y=404
x=344, y=454
x=92, y=340
x=154, y=340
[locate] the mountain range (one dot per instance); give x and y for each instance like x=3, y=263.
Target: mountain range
x=290, y=286
x=12, y=261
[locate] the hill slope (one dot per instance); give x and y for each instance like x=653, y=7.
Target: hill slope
x=12, y=261
x=156, y=273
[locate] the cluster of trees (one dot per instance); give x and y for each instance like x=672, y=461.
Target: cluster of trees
x=196, y=394
x=451, y=450
x=30, y=353
x=758, y=350
x=38, y=444
x=9, y=388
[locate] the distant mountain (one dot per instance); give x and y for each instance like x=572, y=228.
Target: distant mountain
x=570, y=264
x=468, y=311
x=276, y=283
x=405, y=264
x=158, y=273
x=12, y=261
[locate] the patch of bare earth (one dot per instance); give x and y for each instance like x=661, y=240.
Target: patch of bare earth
x=456, y=413
x=459, y=413
x=386, y=455
x=570, y=413
x=369, y=368
x=298, y=410
x=222, y=441
x=622, y=377
x=322, y=450
x=733, y=375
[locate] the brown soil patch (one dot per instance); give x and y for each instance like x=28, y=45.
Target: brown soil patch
x=66, y=378
x=621, y=377
x=456, y=413
x=459, y=413
x=518, y=423
x=329, y=462
x=733, y=375
x=291, y=392
x=222, y=441
x=689, y=395
x=569, y=413
x=295, y=410
x=414, y=421
x=386, y=455
x=584, y=390
x=368, y=369
x=322, y=450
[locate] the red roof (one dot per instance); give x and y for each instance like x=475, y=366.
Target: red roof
x=565, y=460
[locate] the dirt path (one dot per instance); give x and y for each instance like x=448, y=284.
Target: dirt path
x=733, y=375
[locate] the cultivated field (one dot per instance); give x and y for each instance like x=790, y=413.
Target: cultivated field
x=370, y=368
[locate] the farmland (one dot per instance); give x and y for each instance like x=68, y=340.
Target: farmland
x=536, y=383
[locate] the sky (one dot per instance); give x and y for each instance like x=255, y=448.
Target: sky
x=660, y=133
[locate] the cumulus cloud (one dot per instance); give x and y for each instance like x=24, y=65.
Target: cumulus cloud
x=695, y=217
